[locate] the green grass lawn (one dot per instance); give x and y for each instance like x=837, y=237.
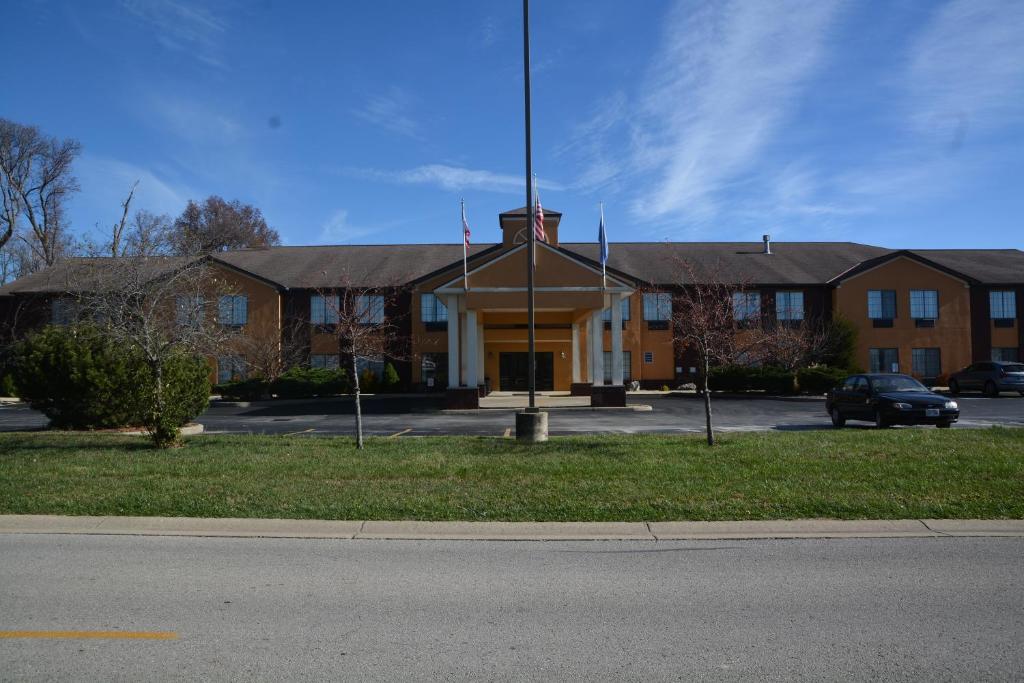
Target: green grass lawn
x=850, y=474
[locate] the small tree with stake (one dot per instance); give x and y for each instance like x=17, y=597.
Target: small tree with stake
x=703, y=319
x=360, y=318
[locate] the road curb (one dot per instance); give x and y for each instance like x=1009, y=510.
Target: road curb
x=508, y=531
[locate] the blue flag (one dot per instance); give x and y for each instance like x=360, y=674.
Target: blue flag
x=602, y=237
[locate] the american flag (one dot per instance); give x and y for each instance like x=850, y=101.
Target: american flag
x=465, y=226
x=538, y=222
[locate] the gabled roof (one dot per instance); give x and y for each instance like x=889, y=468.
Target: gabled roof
x=84, y=273
x=374, y=265
x=790, y=263
x=974, y=266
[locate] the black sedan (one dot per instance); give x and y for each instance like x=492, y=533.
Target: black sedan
x=889, y=400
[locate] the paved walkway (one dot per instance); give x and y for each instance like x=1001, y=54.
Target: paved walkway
x=510, y=531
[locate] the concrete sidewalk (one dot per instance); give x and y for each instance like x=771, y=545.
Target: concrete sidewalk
x=506, y=531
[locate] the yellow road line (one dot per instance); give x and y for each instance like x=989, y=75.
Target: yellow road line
x=404, y=431
x=304, y=431
x=114, y=635
x=508, y=432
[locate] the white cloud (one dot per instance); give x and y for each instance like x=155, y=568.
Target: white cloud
x=337, y=230
x=186, y=27
x=727, y=77
x=105, y=183
x=193, y=121
x=966, y=69
x=455, y=178
x=390, y=111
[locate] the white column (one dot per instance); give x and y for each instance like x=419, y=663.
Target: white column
x=575, y=353
x=471, y=337
x=590, y=351
x=617, y=339
x=597, y=341
x=453, y=341
x=481, y=371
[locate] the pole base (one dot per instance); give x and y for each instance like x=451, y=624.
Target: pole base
x=531, y=427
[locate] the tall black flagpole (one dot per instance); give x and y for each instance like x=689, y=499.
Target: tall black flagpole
x=530, y=211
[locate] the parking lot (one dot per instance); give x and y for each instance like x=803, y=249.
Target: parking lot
x=423, y=415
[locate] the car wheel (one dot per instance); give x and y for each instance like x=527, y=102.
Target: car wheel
x=880, y=421
x=944, y=425
x=991, y=389
x=954, y=387
x=837, y=418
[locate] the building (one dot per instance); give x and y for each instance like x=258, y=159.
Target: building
x=926, y=312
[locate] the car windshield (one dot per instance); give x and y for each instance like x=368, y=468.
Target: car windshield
x=1016, y=367
x=897, y=383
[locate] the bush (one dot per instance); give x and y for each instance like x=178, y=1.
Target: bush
x=7, y=387
x=309, y=382
x=818, y=380
x=80, y=379
x=746, y=378
x=841, y=351
x=186, y=380
x=367, y=381
x=390, y=380
x=243, y=390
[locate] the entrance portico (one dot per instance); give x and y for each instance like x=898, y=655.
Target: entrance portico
x=487, y=335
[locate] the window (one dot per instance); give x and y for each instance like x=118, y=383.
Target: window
x=648, y=357
x=924, y=305
x=62, y=312
x=882, y=306
x=746, y=306
x=230, y=369
x=926, y=363
x=233, y=310
x=789, y=305
x=885, y=360
x=606, y=315
x=374, y=365
x=432, y=311
x=189, y=310
x=657, y=307
x=323, y=310
x=328, y=361
x=626, y=360
x=1002, y=304
x=434, y=370
x=370, y=309
x=1006, y=354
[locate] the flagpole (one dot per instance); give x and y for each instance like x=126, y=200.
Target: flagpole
x=530, y=229
x=465, y=248
x=604, y=274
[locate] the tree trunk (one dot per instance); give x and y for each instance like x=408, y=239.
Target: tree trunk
x=359, y=407
x=707, y=403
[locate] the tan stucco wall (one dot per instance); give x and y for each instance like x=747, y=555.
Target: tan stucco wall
x=952, y=331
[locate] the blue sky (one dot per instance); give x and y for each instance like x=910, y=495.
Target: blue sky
x=899, y=124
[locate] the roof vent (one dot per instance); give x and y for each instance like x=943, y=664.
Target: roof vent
x=767, y=244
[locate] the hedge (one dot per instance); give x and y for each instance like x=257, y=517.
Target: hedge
x=309, y=382
x=744, y=378
x=243, y=390
x=818, y=380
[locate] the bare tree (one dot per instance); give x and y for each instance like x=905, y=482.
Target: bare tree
x=270, y=356
x=148, y=235
x=118, y=231
x=218, y=225
x=703, y=319
x=362, y=318
x=158, y=307
x=792, y=344
x=35, y=182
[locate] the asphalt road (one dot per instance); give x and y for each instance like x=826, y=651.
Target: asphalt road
x=423, y=416
x=282, y=609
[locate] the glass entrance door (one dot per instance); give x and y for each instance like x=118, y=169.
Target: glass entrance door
x=513, y=369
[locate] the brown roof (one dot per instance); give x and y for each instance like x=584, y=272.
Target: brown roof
x=373, y=265
x=790, y=263
x=83, y=274
x=991, y=266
